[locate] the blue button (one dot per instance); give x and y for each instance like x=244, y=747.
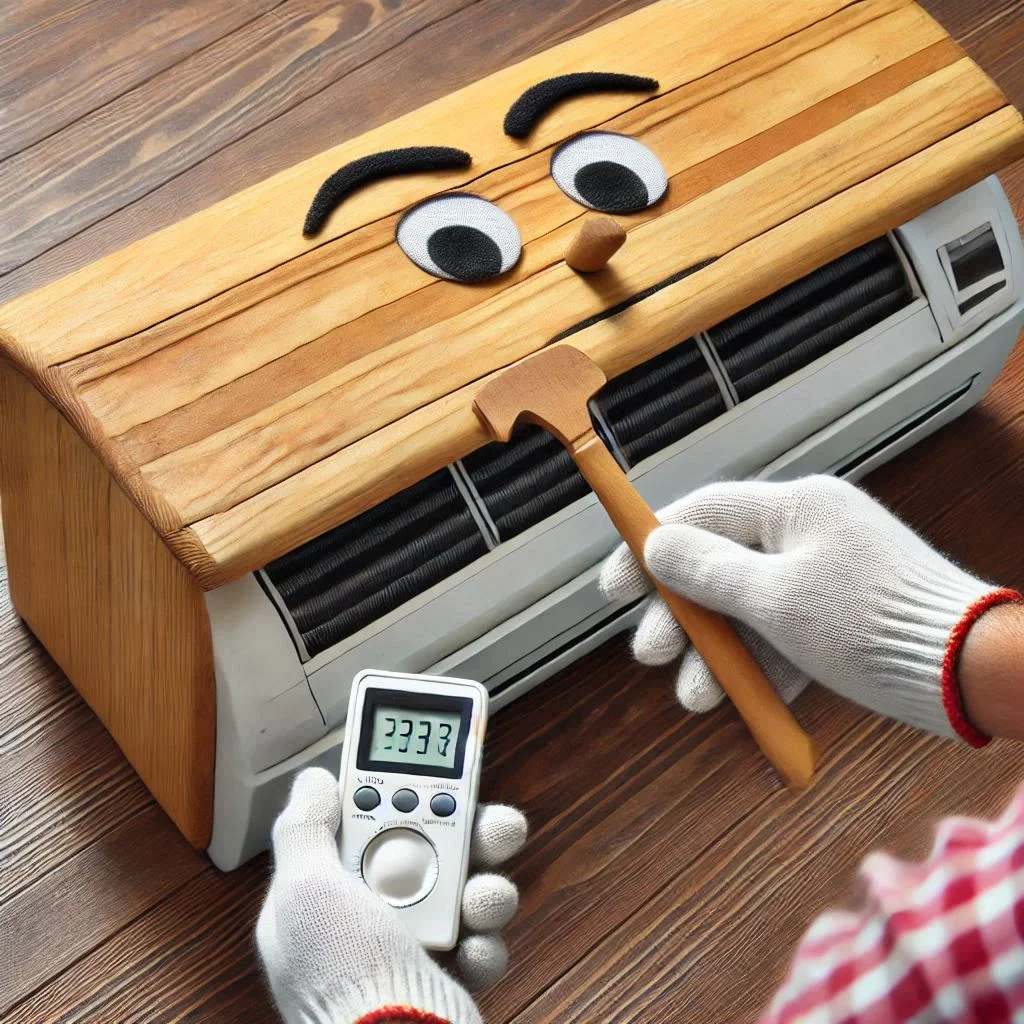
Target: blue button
x=443, y=804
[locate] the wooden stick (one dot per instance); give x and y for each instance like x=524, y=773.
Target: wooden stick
x=552, y=389
x=596, y=242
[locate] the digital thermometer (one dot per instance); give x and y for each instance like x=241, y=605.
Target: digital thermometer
x=410, y=771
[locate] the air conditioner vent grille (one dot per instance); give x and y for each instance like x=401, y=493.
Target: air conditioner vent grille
x=352, y=575
x=791, y=328
x=524, y=481
x=340, y=582
x=660, y=401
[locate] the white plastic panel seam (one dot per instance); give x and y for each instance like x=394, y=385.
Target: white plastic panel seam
x=477, y=508
x=908, y=268
x=264, y=580
x=725, y=385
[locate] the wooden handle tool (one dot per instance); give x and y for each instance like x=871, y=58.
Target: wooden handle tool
x=552, y=389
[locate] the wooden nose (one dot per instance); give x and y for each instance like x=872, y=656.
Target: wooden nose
x=595, y=243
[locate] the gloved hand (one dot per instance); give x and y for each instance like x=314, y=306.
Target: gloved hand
x=333, y=952
x=822, y=582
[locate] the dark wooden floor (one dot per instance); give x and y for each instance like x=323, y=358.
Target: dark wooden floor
x=668, y=874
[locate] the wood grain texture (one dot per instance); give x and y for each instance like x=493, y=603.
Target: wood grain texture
x=642, y=800
x=331, y=315
x=305, y=505
x=60, y=68
x=140, y=860
x=682, y=50
x=374, y=377
x=297, y=357
x=502, y=34
x=114, y=608
x=664, y=972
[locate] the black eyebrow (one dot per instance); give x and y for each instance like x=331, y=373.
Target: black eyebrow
x=386, y=164
x=524, y=114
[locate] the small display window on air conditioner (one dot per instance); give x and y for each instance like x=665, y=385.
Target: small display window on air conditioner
x=974, y=266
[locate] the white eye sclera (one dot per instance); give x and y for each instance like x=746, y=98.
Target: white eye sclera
x=460, y=237
x=609, y=172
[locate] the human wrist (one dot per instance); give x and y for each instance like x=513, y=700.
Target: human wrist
x=990, y=668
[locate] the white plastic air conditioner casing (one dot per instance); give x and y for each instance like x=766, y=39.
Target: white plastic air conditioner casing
x=531, y=605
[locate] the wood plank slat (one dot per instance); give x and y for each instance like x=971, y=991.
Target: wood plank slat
x=501, y=35
x=378, y=387
x=883, y=71
x=114, y=608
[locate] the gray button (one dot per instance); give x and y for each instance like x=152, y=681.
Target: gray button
x=443, y=804
x=405, y=800
x=366, y=798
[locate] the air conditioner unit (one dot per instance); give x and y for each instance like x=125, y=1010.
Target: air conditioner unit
x=239, y=460
x=487, y=569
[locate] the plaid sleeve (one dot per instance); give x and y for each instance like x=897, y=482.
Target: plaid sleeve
x=942, y=940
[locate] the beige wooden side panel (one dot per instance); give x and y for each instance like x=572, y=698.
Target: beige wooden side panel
x=119, y=613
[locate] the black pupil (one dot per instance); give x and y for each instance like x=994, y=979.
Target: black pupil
x=611, y=187
x=465, y=253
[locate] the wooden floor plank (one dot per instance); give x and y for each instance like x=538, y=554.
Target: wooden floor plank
x=613, y=832
x=38, y=706
x=966, y=21
x=716, y=940
x=172, y=964
x=90, y=897
x=60, y=801
x=61, y=68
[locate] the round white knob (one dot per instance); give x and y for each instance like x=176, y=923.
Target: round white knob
x=400, y=865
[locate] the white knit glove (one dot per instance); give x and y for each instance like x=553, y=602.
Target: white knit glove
x=334, y=953
x=822, y=583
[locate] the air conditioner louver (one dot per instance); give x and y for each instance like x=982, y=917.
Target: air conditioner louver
x=660, y=401
x=347, y=578
x=524, y=481
x=784, y=332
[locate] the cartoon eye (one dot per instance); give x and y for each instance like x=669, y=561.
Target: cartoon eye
x=609, y=172
x=460, y=237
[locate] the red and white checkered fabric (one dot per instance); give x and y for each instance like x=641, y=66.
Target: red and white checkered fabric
x=942, y=940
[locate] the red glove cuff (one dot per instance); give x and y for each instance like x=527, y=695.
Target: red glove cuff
x=400, y=1015
x=951, y=699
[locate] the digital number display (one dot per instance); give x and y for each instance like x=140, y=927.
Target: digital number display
x=415, y=737
x=412, y=732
